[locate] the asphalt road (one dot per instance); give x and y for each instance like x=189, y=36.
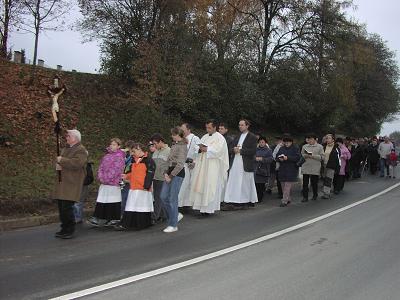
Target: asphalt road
x=35, y=265
x=353, y=255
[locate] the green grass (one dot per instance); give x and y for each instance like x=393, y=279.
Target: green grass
x=104, y=110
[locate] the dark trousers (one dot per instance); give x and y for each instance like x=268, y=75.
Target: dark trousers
x=66, y=214
x=338, y=182
x=373, y=167
x=314, y=185
x=159, y=210
x=356, y=170
x=279, y=185
x=260, y=187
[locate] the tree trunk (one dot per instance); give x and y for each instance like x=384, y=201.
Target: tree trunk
x=151, y=32
x=4, y=40
x=321, y=43
x=37, y=31
x=36, y=46
x=220, y=52
x=261, y=67
x=265, y=40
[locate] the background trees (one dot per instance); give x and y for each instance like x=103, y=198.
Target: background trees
x=10, y=16
x=288, y=65
x=42, y=15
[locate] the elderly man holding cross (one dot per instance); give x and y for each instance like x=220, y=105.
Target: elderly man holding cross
x=67, y=191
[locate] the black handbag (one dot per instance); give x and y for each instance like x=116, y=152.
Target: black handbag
x=260, y=171
x=89, y=178
x=301, y=161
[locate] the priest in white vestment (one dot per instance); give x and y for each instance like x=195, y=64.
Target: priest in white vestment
x=193, y=141
x=210, y=172
x=241, y=188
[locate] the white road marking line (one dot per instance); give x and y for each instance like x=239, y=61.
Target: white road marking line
x=212, y=255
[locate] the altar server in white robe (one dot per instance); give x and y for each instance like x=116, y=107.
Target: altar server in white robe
x=210, y=172
x=241, y=189
x=193, y=149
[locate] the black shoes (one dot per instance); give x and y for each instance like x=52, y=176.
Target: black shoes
x=304, y=200
x=64, y=235
x=315, y=198
x=227, y=207
x=230, y=206
x=284, y=204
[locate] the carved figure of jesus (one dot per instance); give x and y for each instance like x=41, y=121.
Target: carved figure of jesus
x=55, y=107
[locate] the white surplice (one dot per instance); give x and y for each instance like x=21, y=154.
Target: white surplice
x=241, y=187
x=210, y=174
x=184, y=192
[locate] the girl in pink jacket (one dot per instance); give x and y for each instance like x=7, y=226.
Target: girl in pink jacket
x=108, y=203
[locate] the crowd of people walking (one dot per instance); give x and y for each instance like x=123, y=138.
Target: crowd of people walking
x=143, y=185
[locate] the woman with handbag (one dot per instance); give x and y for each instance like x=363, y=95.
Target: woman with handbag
x=262, y=166
x=173, y=178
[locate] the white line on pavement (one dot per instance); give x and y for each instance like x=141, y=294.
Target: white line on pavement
x=215, y=254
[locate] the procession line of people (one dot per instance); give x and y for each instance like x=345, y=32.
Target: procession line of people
x=149, y=184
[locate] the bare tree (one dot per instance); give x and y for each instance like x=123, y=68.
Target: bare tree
x=278, y=27
x=10, y=12
x=44, y=15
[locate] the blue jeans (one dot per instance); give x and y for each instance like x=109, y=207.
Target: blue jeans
x=124, y=195
x=169, y=198
x=383, y=166
x=78, y=206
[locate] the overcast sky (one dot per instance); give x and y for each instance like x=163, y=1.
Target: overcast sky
x=66, y=48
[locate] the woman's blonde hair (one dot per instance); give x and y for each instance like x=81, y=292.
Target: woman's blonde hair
x=178, y=131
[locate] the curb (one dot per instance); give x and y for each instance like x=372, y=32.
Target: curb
x=19, y=223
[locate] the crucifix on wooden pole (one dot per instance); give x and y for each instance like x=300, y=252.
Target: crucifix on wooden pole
x=55, y=91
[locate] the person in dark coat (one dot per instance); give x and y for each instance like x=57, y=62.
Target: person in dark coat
x=348, y=170
x=373, y=156
x=331, y=164
x=288, y=156
x=357, y=154
x=262, y=166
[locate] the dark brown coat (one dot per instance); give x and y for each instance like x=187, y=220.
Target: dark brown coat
x=73, y=163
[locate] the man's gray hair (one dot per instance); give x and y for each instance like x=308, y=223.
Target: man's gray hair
x=75, y=133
